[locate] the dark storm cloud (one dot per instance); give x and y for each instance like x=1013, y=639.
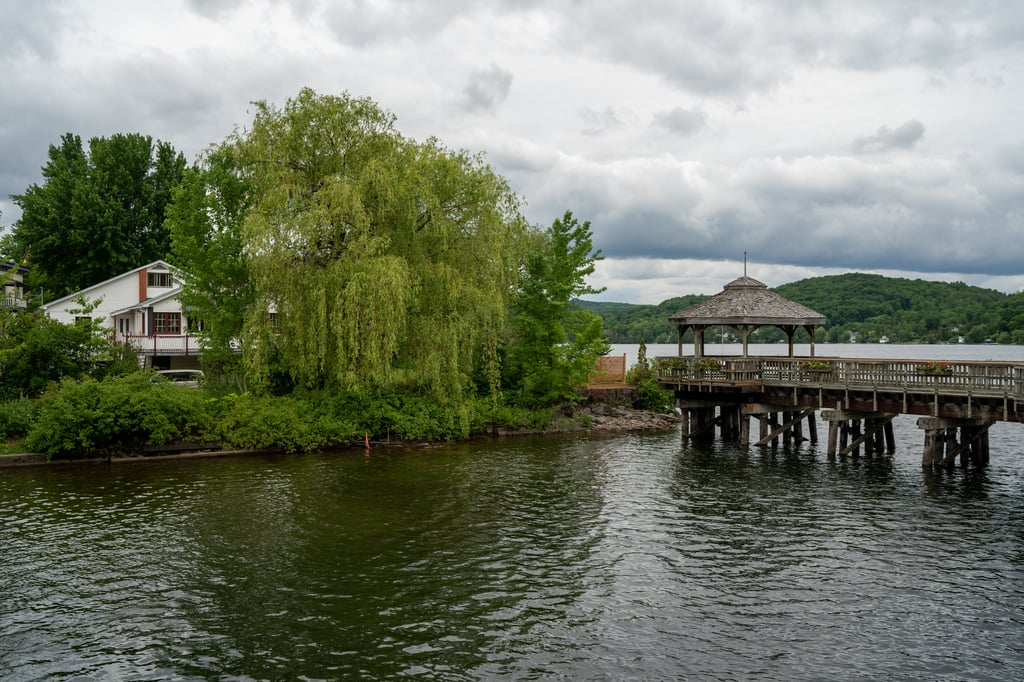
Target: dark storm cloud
x=902, y=137
x=826, y=212
x=189, y=102
x=487, y=88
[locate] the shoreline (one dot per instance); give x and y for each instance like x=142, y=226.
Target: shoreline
x=603, y=419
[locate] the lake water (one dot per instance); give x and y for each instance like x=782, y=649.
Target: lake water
x=633, y=556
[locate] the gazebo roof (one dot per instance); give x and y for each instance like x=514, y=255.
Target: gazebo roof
x=745, y=301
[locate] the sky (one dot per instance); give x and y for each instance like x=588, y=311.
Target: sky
x=807, y=137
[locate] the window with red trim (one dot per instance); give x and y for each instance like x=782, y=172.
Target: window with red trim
x=166, y=323
x=159, y=279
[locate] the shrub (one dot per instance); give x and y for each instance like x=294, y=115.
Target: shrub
x=417, y=416
x=17, y=417
x=650, y=394
x=118, y=414
x=409, y=416
x=253, y=422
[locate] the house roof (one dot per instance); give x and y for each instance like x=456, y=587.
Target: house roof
x=11, y=265
x=153, y=300
x=745, y=301
x=155, y=265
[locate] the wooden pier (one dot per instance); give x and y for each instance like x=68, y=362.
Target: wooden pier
x=957, y=401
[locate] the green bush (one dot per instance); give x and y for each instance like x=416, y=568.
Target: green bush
x=254, y=422
x=516, y=417
x=17, y=417
x=419, y=417
x=118, y=414
x=126, y=414
x=408, y=416
x=650, y=394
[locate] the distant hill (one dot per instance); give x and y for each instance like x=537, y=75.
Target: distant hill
x=869, y=306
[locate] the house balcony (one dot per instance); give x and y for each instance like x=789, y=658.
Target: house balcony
x=162, y=344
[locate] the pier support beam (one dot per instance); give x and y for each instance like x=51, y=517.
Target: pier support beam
x=698, y=419
x=790, y=429
x=787, y=425
x=845, y=434
x=941, y=446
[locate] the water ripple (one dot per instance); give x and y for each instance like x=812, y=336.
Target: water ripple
x=627, y=557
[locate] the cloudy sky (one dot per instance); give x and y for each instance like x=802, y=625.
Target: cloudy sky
x=817, y=136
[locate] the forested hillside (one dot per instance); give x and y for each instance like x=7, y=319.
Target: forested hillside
x=869, y=307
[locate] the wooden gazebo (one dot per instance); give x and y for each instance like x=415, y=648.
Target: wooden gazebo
x=745, y=305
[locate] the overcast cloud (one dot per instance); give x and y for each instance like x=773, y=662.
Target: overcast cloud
x=817, y=136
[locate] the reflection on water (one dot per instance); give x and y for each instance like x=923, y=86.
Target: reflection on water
x=623, y=557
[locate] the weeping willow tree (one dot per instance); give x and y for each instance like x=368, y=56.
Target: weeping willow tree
x=375, y=260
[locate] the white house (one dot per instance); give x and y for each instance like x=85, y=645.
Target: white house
x=141, y=308
x=12, y=286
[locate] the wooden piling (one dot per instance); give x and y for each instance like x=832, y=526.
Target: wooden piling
x=942, y=447
x=833, y=437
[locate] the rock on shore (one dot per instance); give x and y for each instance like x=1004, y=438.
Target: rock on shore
x=614, y=418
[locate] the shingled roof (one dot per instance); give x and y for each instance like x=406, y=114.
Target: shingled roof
x=746, y=301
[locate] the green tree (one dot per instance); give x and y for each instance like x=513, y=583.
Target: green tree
x=205, y=223
x=96, y=213
x=375, y=260
x=36, y=350
x=554, y=342
x=644, y=375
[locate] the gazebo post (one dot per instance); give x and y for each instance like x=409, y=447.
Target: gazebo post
x=810, y=330
x=790, y=330
x=682, y=332
x=698, y=341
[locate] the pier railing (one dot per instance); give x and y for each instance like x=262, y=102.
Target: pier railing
x=978, y=378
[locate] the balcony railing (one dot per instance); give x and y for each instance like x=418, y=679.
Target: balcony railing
x=162, y=344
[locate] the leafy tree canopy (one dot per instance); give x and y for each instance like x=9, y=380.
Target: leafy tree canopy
x=36, y=350
x=205, y=223
x=554, y=343
x=374, y=260
x=97, y=212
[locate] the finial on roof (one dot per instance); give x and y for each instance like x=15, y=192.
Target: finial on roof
x=744, y=263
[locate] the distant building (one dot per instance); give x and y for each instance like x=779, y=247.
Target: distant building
x=12, y=289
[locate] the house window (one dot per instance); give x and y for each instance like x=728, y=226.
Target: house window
x=82, y=319
x=166, y=323
x=275, y=321
x=159, y=279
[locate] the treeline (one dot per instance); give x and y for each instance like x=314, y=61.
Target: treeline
x=860, y=307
